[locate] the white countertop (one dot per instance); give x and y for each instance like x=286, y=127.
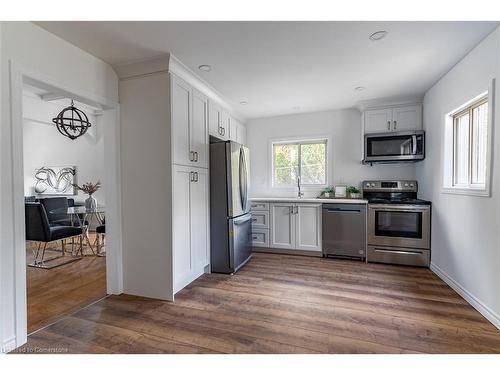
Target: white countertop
x=311, y=200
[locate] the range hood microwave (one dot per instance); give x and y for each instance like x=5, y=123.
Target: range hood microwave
x=395, y=147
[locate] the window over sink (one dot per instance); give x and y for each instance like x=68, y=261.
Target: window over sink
x=306, y=159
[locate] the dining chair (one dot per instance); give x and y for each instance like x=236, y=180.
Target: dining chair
x=56, y=209
x=38, y=229
x=100, y=239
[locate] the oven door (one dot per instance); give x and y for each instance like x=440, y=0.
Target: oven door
x=399, y=225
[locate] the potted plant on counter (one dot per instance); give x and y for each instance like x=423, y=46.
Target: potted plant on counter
x=327, y=192
x=353, y=192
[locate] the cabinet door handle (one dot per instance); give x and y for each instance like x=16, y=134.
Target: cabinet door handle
x=196, y=176
x=196, y=156
x=395, y=124
x=191, y=176
x=191, y=156
x=388, y=125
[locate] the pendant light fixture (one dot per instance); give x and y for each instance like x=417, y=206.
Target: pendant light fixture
x=72, y=122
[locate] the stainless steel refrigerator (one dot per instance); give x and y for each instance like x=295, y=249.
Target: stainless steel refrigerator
x=230, y=219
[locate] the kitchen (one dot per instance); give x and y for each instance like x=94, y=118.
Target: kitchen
x=315, y=211
x=304, y=225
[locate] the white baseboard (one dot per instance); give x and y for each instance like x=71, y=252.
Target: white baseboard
x=474, y=301
x=8, y=345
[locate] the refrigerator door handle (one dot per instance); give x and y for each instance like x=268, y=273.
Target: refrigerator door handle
x=243, y=180
x=242, y=220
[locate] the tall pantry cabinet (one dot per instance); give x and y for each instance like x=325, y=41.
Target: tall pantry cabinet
x=164, y=110
x=190, y=183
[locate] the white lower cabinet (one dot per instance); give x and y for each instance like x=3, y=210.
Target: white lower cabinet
x=308, y=227
x=190, y=222
x=282, y=226
x=260, y=237
x=295, y=226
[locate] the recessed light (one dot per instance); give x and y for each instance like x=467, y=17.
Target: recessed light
x=378, y=35
x=359, y=88
x=243, y=102
x=205, y=68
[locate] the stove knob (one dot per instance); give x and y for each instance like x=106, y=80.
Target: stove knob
x=406, y=184
x=411, y=185
x=367, y=184
x=373, y=185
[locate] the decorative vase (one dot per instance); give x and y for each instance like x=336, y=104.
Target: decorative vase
x=90, y=203
x=327, y=195
x=355, y=195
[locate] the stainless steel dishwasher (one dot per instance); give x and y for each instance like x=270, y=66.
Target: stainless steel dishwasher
x=344, y=230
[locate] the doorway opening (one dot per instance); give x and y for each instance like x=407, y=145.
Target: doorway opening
x=65, y=228
x=106, y=112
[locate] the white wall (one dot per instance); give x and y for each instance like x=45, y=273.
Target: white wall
x=343, y=127
x=465, y=229
x=25, y=44
x=43, y=145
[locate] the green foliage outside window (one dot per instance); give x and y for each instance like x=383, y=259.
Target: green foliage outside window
x=307, y=160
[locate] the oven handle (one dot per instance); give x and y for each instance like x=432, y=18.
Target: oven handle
x=400, y=209
x=398, y=251
x=414, y=145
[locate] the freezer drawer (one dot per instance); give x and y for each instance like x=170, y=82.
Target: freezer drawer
x=260, y=237
x=398, y=255
x=240, y=233
x=344, y=230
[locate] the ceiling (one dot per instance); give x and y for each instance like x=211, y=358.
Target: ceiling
x=287, y=67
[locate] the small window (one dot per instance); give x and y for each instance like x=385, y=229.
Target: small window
x=467, y=140
x=304, y=159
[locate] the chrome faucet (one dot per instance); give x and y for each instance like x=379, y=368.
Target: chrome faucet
x=300, y=194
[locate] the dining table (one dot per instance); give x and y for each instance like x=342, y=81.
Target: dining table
x=82, y=216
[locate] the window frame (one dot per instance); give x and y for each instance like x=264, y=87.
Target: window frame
x=450, y=185
x=301, y=141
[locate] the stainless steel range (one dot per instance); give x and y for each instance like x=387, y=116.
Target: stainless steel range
x=399, y=224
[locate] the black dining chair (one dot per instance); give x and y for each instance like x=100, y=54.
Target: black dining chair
x=38, y=229
x=57, y=211
x=100, y=239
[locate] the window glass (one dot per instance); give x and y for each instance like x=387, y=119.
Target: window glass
x=306, y=160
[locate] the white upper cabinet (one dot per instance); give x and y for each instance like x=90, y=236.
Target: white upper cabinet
x=393, y=119
x=237, y=131
x=181, y=121
x=233, y=130
x=218, y=121
x=407, y=118
x=225, y=124
x=189, y=125
x=378, y=120
x=199, y=129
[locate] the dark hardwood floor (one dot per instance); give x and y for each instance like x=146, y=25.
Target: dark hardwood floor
x=284, y=304
x=58, y=292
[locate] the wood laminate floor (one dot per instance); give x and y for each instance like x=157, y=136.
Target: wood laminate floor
x=284, y=304
x=60, y=291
